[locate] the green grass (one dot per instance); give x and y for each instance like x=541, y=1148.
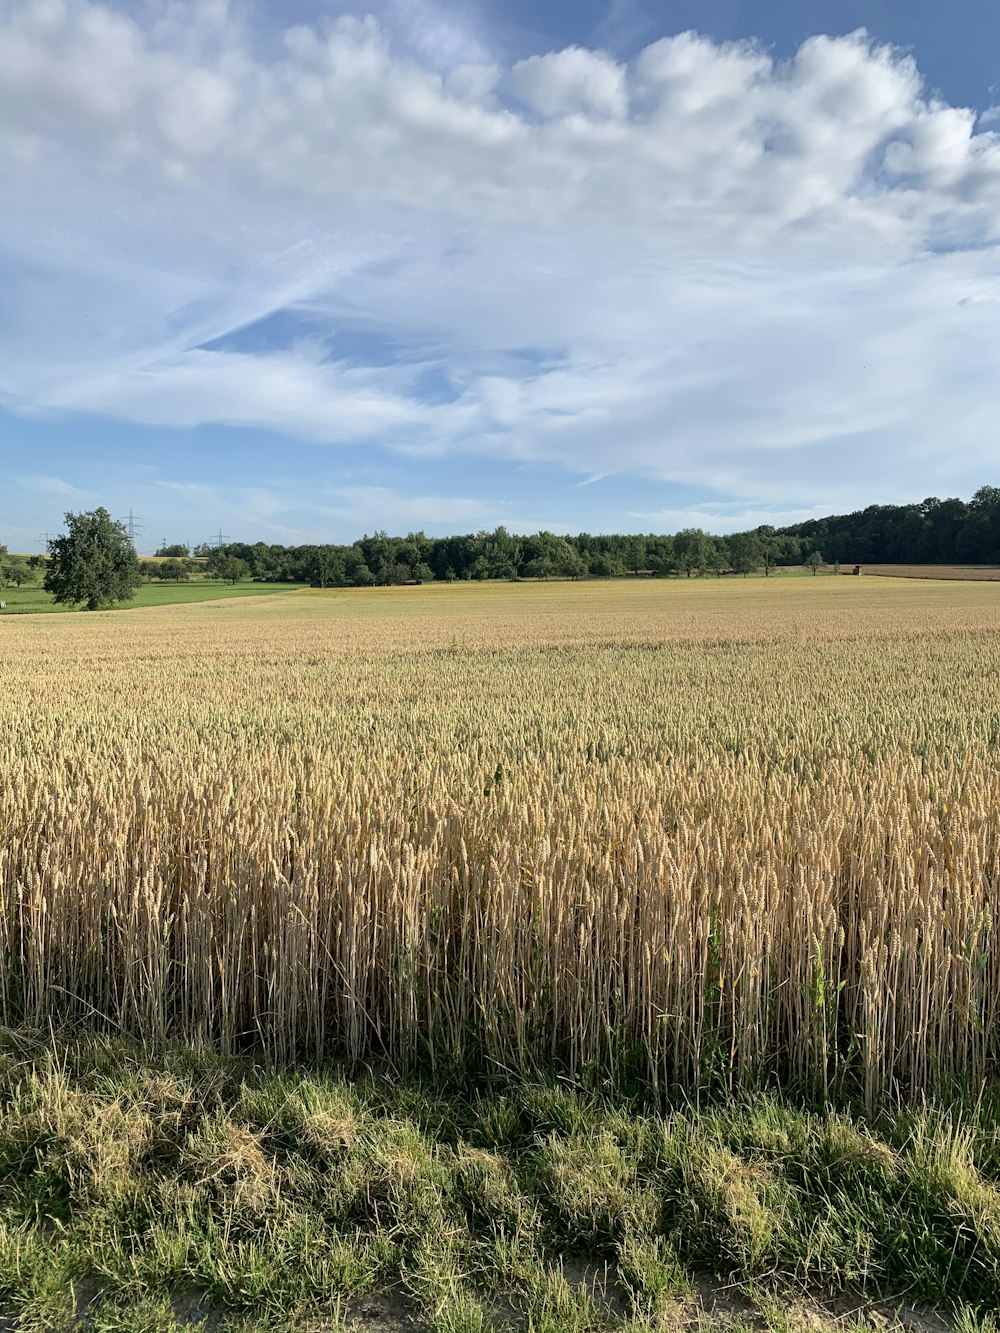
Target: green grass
x=275, y=1196
x=33, y=598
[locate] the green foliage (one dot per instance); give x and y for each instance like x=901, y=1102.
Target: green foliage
x=32, y=598
x=947, y=531
x=934, y=531
x=691, y=550
x=93, y=564
x=652, y=1274
x=327, y=567
x=815, y=562
x=16, y=569
x=126, y=1179
x=744, y=552
x=178, y=571
x=232, y=569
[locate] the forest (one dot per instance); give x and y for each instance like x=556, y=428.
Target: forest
x=950, y=531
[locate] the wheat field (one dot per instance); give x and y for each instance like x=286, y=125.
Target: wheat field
x=706, y=833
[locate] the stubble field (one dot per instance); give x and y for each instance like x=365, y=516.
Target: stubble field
x=435, y=941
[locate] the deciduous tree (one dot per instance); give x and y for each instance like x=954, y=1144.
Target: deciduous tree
x=93, y=564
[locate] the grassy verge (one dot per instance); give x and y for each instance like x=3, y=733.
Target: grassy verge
x=131, y=1183
x=32, y=598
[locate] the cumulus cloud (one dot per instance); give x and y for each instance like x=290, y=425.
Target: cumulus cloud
x=341, y=113
x=571, y=82
x=706, y=265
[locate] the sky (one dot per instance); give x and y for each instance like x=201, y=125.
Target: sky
x=299, y=271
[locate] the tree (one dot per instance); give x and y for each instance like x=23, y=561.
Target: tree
x=16, y=569
x=979, y=539
x=744, y=552
x=326, y=567
x=767, y=546
x=716, y=558
x=174, y=569
x=606, y=567
x=572, y=564
x=499, y=555
x=815, y=563
x=691, y=549
x=635, y=554
x=541, y=567
x=232, y=569
x=177, y=549
x=94, y=564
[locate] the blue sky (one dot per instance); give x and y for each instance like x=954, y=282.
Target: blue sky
x=299, y=271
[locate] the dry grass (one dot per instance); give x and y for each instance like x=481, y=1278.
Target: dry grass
x=133, y=1185
x=965, y=573
x=693, y=833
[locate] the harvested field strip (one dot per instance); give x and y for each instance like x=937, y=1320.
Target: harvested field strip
x=963, y=573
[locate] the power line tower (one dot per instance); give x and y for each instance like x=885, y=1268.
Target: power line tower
x=133, y=526
x=218, y=539
x=45, y=537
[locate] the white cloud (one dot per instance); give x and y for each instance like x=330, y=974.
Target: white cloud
x=571, y=82
x=279, y=511
x=285, y=391
x=341, y=114
x=358, y=509
x=56, y=486
x=706, y=266
x=719, y=519
x=442, y=35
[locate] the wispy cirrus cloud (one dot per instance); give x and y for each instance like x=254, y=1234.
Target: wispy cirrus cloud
x=56, y=486
x=280, y=512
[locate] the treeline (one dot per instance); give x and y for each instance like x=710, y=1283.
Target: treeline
x=932, y=532
x=416, y=558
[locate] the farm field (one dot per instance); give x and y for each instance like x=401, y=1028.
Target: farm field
x=660, y=915
x=964, y=573
x=34, y=598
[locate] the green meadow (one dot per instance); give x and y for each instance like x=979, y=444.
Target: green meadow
x=33, y=598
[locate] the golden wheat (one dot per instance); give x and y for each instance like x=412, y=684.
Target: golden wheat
x=723, y=831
